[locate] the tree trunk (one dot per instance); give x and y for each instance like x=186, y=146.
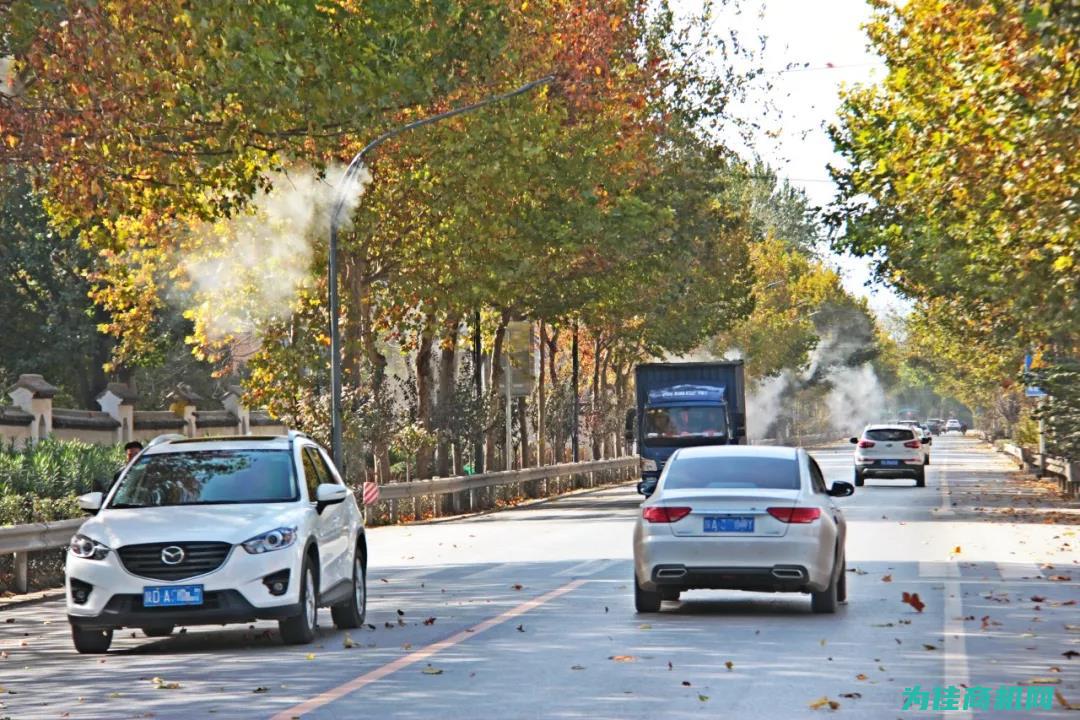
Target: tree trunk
x=541, y=428
x=380, y=446
x=596, y=426
x=523, y=426
x=424, y=395
x=496, y=430
x=445, y=393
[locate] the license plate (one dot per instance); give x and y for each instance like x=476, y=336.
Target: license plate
x=890, y=462
x=172, y=596
x=730, y=523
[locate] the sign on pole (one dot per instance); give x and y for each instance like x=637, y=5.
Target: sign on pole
x=1030, y=390
x=521, y=346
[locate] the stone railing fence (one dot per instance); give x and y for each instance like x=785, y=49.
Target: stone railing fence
x=31, y=416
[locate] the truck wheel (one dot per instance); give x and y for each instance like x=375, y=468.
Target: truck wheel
x=93, y=641
x=645, y=601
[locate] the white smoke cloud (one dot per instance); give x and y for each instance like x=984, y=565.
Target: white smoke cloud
x=247, y=270
x=764, y=402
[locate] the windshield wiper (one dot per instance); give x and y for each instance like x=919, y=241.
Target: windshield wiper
x=125, y=506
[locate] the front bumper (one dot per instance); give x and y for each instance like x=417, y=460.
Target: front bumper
x=219, y=608
x=237, y=586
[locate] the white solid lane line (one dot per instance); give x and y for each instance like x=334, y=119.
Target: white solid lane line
x=957, y=673
x=1019, y=571
x=587, y=568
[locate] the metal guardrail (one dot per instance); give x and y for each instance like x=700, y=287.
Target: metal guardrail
x=21, y=540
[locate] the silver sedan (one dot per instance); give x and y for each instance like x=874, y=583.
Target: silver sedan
x=741, y=518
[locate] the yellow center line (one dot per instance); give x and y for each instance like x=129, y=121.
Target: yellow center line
x=329, y=696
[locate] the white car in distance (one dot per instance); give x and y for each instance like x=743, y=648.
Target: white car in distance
x=218, y=530
x=889, y=451
x=740, y=517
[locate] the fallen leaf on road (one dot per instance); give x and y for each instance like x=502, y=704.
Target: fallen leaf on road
x=429, y=670
x=383, y=580
x=703, y=698
x=348, y=643
x=821, y=642
x=1060, y=578
x=1063, y=702
x=577, y=667
x=861, y=676
x=400, y=613
x=670, y=666
x=1038, y=598
x=686, y=683
x=886, y=578
x=913, y=600
x=729, y=665
x=622, y=658
x=115, y=695
x=261, y=689
x=929, y=647
x=824, y=702
x=517, y=586
x=521, y=628
x=857, y=571
x=407, y=646
x=310, y=656
x=1070, y=654
x=430, y=621
x=160, y=684
x=1044, y=681
x=851, y=695
x=644, y=626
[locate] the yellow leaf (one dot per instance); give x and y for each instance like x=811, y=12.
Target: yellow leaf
x=431, y=671
x=824, y=702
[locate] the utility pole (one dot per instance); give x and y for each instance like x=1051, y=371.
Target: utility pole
x=478, y=380
x=354, y=169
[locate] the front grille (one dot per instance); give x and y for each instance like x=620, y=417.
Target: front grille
x=199, y=558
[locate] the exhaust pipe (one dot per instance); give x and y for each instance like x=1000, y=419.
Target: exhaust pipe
x=787, y=574
x=670, y=572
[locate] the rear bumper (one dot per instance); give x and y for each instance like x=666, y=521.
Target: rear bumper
x=218, y=608
x=906, y=468
x=778, y=578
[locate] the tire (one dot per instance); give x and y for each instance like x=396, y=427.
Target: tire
x=300, y=629
x=841, y=587
x=920, y=478
x=645, y=601
x=350, y=614
x=91, y=641
x=158, y=631
x=825, y=602
x=859, y=478
x=671, y=594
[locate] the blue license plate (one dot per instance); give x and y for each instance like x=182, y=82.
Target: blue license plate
x=172, y=596
x=729, y=523
x=890, y=462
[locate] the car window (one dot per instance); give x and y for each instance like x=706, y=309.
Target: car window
x=312, y=472
x=207, y=477
x=324, y=462
x=732, y=472
x=817, y=480
x=890, y=435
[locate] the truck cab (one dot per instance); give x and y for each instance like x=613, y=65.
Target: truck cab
x=685, y=405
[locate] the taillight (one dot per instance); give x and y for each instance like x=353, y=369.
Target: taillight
x=913, y=444
x=664, y=514
x=795, y=514
x=866, y=443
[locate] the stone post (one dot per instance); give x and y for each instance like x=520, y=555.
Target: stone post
x=33, y=395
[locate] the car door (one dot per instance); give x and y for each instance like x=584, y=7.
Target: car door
x=828, y=504
x=334, y=523
x=326, y=530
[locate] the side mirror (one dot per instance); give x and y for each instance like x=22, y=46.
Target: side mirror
x=841, y=488
x=329, y=494
x=854, y=441
x=91, y=502
x=646, y=487
x=928, y=441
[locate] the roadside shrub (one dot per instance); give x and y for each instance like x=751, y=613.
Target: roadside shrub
x=41, y=482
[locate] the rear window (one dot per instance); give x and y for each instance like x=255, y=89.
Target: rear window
x=890, y=435
x=210, y=477
x=732, y=472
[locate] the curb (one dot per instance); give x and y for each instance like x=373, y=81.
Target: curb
x=31, y=598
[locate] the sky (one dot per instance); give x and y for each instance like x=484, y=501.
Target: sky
x=824, y=35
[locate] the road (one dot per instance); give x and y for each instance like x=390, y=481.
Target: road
x=528, y=613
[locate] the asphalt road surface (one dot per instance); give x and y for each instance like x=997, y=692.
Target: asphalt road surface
x=529, y=613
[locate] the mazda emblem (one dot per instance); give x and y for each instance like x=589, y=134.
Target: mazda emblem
x=172, y=555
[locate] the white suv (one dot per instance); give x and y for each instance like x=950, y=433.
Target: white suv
x=889, y=451
x=218, y=530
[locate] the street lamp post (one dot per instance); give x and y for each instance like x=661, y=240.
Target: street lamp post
x=351, y=174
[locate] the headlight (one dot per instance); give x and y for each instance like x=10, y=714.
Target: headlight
x=84, y=547
x=269, y=541
x=648, y=465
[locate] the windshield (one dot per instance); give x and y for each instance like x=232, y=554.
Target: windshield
x=208, y=477
x=732, y=472
x=889, y=435
x=681, y=422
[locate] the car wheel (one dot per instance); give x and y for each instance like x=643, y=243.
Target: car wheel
x=158, y=631
x=91, y=640
x=350, y=614
x=300, y=629
x=825, y=601
x=645, y=601
x=920, y=478
x=841, y=587
x=926, y=460
x=859, y=478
